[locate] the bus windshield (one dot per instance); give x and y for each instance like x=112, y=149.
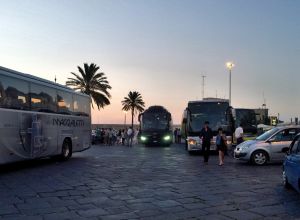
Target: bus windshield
x=153, y=121
x=213, y=112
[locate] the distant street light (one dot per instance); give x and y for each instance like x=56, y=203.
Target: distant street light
x=125, y=113
x=229, y=66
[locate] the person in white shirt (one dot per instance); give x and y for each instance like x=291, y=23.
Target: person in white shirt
x=239, y=134
x=130, y=135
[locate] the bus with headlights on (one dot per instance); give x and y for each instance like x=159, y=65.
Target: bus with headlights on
x=219, y=115
x=40, y=118
x=156, y=126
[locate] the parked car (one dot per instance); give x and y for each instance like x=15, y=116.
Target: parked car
x=268, y=147
x=291, y=165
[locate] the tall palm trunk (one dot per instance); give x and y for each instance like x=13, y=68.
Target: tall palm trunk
x=132, y=116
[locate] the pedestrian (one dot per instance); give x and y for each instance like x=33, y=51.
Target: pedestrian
x=206, y=135
x=106, y=139
x=135, y=138
x=110, y=137
x=123, y=136
x=175, y=135
x=179, y=136
x=130, y=135
x=221, y=142
x=239, y=134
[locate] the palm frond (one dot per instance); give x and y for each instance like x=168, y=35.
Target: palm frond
x=92, y=83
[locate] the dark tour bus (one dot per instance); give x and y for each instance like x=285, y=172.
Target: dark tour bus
x=246, y=118
x=156, y=126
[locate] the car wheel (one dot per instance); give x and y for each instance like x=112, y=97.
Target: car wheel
x=66, y=150
x=285, y=180
x=259, y=158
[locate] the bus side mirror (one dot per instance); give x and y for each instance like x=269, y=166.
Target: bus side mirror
x=139, y=118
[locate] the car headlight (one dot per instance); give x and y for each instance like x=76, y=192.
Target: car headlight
x=167, y=138
x=143, y=138
x=192, y=142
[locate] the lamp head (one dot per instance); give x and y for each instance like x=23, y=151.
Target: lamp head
x=230, y=65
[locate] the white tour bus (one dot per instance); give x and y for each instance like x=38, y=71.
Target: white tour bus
x=40, y=118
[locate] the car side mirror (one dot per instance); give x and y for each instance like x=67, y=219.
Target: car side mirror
x=272, y=140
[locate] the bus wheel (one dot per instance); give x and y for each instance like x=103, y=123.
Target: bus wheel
x=66, y=151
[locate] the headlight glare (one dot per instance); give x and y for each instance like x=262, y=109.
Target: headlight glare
x=192, y=142
x=143, y=138
x=167, y=137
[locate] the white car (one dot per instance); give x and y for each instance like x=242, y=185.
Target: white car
x=269, y=146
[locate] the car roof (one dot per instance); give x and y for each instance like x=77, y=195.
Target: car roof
x=288, y=126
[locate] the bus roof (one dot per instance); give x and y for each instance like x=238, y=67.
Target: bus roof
x=156, y=109
x=209, y=100
x=38, y=79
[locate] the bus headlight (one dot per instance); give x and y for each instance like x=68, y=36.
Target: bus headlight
x=167, y=138
x=143, y=138
x=192, y=142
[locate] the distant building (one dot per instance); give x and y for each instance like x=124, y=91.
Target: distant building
x=262, y=116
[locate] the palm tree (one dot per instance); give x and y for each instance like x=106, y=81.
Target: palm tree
x=134, y=103
x=92, y=83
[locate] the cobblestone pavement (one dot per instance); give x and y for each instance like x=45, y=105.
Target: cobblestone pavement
x=143, y=183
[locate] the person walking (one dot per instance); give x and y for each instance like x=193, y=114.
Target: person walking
x=175, y=135
x=239, y=134
x=130, y=135
x=179, y=136
x=123, y=135
x=206, y=135
x=221, y=142
x=110, y=137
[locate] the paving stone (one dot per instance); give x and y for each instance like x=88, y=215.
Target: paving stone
x=269, y=210
x=242, y=214
x=22, y=217
x=61, y=216
x=167, y=203
x=8, y=209
x=92, y=212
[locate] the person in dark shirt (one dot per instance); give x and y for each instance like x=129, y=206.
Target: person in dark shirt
x=206, y=135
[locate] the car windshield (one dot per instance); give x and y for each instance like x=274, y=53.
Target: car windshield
x=265, y=136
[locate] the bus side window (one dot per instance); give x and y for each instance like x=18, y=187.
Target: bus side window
x=43, y=98
x=14, y=93
x=81, y=105
x=64, y=102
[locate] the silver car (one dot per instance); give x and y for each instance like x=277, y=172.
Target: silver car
x=268, y=146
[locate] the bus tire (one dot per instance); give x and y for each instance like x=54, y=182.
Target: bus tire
x=66, y=149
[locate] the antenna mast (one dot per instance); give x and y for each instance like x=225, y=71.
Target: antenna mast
x=203, y=84
x=264, y=104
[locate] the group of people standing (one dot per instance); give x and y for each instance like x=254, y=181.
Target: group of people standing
x=206, y=135
x=177, y=136
x=110, y=137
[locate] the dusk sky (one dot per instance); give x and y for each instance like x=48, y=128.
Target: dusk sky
x=161, y=48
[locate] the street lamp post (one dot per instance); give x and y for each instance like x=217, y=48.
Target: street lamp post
x=229, y=66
